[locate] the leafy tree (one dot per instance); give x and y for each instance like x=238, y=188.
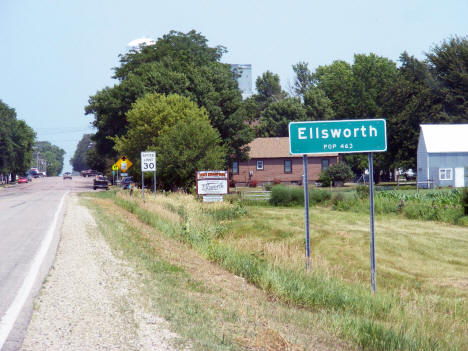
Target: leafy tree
x=174, y=47
x=268, y=91
x=371, y=75
x=7, y=123
x=336, y=80
x=449, y=65
x=411, y=99
x=53, y=156
x=304, y=80
x=78, y=161
x=16, y=142
x=180, y=64
x=160, y=122
x=269, y=87
x=23, y=138
x=318, y=106
x=338, y=172
x=276, y=117
x=185, y=148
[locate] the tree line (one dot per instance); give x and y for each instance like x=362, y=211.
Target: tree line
x=16, y=143
x=177, y=98
x=19, y=150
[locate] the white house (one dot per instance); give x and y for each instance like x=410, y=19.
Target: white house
x=443, y=155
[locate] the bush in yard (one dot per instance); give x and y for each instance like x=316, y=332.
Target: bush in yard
x=464, y=198
x=317, y=196
x=253, y=183
x=338, y=172
x=286, y=196
x=294, y=196
x=362, y=191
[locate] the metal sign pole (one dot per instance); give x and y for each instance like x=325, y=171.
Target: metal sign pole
x=155, y=175
x=306, y=208
x=142, y=185
x=372, y=242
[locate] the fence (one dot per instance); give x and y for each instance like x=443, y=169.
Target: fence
x=256, y=195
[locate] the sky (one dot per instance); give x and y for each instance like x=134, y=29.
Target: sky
x=55, y=54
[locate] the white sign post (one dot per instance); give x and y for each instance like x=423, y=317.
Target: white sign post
x=148, y=164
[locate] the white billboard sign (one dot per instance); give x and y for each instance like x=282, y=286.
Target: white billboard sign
x=148, y=161
x=212, y=182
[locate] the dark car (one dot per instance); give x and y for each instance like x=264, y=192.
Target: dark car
x=101, y=182
x=35, y=173
x=67, y=175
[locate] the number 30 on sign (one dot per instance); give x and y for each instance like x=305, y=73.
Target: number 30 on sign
x=148, y=161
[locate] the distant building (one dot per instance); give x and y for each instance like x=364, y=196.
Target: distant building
x=245, y=79
x=270, y=161
x=442, y=155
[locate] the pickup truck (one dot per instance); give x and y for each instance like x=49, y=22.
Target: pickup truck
x=100, y=182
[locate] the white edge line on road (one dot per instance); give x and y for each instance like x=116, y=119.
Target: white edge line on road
x=11, y=315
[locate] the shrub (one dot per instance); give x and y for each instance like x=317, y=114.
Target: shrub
x=337, y=197
x=267, y=187
x=464, y=201
x=317, y=196
x=276, y=181
x=338, y=172
x=362, y=191
x=463, y=221
x=294, y=196
x=283, y=196
x=253, y=183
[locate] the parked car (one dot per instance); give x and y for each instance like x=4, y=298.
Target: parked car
x=22, y=180
x=35, y=173
x=100, y=182
x=88, y=173
x=67, y=175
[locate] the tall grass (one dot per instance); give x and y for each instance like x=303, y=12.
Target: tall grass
x=375, y=322
x=450, y=206
x=294, y=196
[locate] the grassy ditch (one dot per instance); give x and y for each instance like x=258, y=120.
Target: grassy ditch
x=265, y=246
x=208, y=307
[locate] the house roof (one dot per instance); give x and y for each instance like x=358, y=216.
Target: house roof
x=274, y=148
x=445, y=137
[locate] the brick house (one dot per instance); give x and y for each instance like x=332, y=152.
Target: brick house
x=270, y=161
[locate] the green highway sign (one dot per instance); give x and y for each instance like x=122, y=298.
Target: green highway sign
x=348, y=136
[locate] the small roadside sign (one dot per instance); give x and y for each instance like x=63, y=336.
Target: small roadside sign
x=148, y=161
x=148, y=164
x=212, y=183
x=115, y=167
x=124, y=164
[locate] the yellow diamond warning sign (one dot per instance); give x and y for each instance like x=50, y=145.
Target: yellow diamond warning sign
x=124, y=164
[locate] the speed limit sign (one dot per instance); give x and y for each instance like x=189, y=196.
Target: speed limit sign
x=148, y=161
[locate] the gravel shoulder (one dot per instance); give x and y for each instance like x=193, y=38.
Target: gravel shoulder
x=89, y=300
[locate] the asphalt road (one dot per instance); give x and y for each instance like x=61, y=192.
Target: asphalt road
x=30, y=220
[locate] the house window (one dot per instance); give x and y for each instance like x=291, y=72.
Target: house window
x=259, y=165
x=235, y=167
x=287, y=166
x=445, y=174
x=325, y=164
